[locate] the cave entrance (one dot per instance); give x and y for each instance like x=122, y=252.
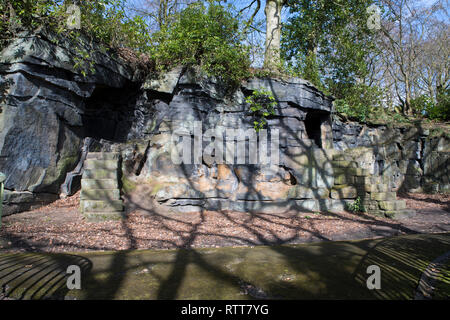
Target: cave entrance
x=108, y=114
x=318, y=127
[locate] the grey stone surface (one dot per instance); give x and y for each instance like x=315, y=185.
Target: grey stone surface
x=43, y=106
x=49, y=107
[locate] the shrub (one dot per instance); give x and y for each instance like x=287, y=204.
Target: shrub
x=207, y=36
x=262, y=105
x=359, y=102
x=104, y=21
x=356, y=206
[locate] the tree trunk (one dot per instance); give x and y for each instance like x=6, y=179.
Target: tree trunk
x=407, y=109
x=272, y=57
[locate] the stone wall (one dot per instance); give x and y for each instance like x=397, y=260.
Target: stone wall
x=414, y=159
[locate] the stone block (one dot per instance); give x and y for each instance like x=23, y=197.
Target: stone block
x=94, y=164
x=303, y=192
x=344, y=192
x=344, y=164
x=392, y=205
x=101, y=205
x=341, y=179
x=89, y=184
x=383, y=196
x=99, y=174
x=94, y=194
x=103, y=155
x=103, y=216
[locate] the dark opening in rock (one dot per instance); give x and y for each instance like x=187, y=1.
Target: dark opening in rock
x=313, y=125
x=109, y=113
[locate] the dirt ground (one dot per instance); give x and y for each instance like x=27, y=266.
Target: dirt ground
x=60, y=227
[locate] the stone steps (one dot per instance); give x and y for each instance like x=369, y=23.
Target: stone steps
x=100, y=193
x=99, y=174
x=375, y=192
x=103, y=155
x=95, y=164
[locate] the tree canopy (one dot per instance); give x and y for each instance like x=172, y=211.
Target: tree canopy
x=374, y=56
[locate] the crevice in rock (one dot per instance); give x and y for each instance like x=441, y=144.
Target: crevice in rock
x=109, y=113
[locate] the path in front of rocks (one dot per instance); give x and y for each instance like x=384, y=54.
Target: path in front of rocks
x=60, y=227
x=325, y=270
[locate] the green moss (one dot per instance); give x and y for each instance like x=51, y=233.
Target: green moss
x=128, y=186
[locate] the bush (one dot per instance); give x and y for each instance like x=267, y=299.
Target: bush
x=208, y=37
x=262, y=105
x=359, y=102
x=441, y=110
x=104, y=21
x=425, y=106
x=356, y=206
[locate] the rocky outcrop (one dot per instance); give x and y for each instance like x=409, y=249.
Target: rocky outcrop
x=53, y=99
x=48, y=105
x=197, y=104
x=410, y=156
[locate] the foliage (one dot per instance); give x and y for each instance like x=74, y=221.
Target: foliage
x=104, y=21
x=359, y=102
x=441, y=109
x=207, y=36
x=262, y=105
x=424, y=105
x=420, y=104
x=356, y=206
x=329, y=44
x=328, y=38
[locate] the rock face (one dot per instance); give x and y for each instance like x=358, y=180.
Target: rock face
x=51, y=100
x=192, y=105
x=47, y=106
x=414, y=160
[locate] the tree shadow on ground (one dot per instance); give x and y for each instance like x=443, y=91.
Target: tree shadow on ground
x=38, y=275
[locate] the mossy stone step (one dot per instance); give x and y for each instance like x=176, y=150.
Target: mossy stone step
x=343, y=179
x=103, y=216
x=383, y=188
x=100, y=194
x=342, y=157
x=344, y=164
x=383, y=196
x=392, y=205
x=89, y=184
x=400, y=214
x=99, y=174
x=92, y=164
x=103, y=155
x=343, y=192
x=101, y=205
x=367, y=180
